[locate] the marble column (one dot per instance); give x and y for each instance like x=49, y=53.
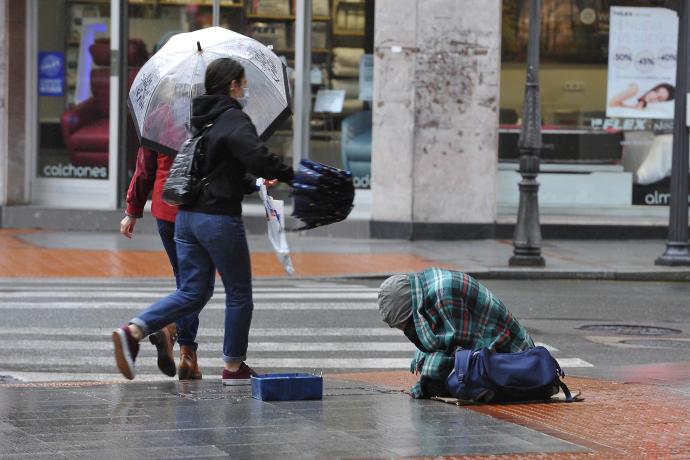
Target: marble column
x=435, y=118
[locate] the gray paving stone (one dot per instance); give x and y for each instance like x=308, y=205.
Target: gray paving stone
x=207, y=420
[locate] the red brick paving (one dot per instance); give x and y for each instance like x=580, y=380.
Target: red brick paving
x=19, y=258
x=615, y=421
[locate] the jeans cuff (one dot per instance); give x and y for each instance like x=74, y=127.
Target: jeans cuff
x=188, y=343
x=230, y=359
x=144, y=327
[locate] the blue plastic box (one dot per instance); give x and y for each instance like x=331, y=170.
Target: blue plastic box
x=287, y=387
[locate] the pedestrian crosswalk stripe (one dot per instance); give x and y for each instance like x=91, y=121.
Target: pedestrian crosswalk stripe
x=573, y=362
x=155, y=295
x=48, y=344
x=212, y=305
x=273, y=363
x=76, y=333
x=167, y=283
x=550, y=348
x=31, y=290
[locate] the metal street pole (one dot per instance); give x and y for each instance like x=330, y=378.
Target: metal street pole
x=216, y=13
x=302, y=97
x=120, y=41
x=677, y=243
x=527, y=236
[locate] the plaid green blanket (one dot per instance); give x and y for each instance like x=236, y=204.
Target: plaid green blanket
x=451, y=309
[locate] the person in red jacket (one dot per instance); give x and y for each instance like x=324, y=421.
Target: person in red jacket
x=151, y=172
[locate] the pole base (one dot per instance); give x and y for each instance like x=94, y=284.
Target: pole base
x=677, y=254
x=527, y=261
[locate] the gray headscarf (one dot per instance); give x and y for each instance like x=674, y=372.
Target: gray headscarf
x=395, y=300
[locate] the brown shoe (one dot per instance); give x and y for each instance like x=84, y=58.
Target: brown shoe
x=164, y=340
x=189, y=368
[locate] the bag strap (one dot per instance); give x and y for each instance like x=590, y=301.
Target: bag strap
x=564, y=387
x=462, y=362
x=204, y=181
x=566, y=391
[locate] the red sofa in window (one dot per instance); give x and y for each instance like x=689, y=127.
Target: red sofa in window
x=85, y=127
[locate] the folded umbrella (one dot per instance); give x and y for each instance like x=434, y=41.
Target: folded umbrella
x=322, y=194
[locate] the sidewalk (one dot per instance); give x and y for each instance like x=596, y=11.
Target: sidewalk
x=40, y=253
x=360, y=416
x=364, y=415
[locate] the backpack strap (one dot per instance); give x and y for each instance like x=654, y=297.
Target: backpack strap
x=204, y=181
x=564, y=387
x=462, y=362
x=566, y=391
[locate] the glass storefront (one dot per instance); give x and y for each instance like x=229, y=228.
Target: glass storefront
x=593, y=156
x=74, y=73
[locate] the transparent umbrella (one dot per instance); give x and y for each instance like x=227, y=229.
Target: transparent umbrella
x=160, y=98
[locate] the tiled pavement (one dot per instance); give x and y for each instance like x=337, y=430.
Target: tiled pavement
x=362, y=415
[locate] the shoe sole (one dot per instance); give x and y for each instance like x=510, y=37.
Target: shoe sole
x=166, y=363
x=236, y=382
x=123, y=361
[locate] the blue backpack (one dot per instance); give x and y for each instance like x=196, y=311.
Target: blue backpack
x=484, y=375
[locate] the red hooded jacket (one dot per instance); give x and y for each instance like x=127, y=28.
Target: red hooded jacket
x=151, y=173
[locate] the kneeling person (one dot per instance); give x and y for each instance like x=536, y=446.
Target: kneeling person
x=439, y=310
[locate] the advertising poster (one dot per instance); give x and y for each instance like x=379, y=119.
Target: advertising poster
x=51, y=73
x=642, y=63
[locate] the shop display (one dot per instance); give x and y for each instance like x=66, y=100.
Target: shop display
x=85, y=127
x=346, y=61
x=270, y=7
x=270, y=33
x=348, y=17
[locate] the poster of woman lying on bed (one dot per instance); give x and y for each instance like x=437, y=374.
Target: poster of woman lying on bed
x=642, y=63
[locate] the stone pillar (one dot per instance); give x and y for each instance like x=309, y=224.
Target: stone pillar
x=435, y=118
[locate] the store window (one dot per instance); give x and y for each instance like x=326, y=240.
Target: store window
x=65, y=100
x=74, y=75
x=593, y=155
x=341, y=118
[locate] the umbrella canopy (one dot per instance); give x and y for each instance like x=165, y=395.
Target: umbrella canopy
x=322, y=194
x=160, y=98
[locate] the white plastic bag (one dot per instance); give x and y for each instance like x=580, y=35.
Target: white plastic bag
x=275, y=220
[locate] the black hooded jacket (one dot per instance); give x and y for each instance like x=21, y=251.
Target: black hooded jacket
x=232, y=144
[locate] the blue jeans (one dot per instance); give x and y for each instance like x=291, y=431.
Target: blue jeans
x=187, y=326
x=205, y=242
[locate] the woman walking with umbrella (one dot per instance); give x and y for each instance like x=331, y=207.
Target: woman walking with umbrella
x=210, y=233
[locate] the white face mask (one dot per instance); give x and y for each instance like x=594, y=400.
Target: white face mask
x=245, y=97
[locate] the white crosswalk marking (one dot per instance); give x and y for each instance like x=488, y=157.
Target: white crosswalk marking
x=60, y=329
x=212, y=305
x=258, y=346
x=314, y=295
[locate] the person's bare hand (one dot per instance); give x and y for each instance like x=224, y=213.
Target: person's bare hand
x=270, y=183
x=127, y=226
